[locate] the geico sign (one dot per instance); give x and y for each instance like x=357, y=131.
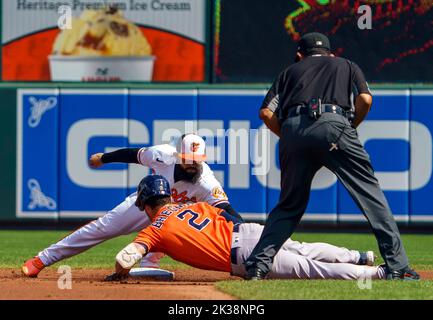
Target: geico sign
x=249, y=163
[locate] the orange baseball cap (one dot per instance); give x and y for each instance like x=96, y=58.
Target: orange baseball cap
x=191, y=147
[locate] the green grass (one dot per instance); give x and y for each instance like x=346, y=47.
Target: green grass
x=326, y=290
x=17, y=246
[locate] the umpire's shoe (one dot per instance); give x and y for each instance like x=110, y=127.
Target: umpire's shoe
x=406, y=274
x=255, y=274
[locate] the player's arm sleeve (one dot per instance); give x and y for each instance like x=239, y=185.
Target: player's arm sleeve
x=149, y=238
x=127, y=155
x=360, y=85
x=229, y=213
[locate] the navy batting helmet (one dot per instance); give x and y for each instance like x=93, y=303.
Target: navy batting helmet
x=150, y=187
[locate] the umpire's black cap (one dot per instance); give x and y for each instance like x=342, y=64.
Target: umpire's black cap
x=313, y=42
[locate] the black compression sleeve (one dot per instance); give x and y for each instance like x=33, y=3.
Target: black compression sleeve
x=229, y=209
x=127, y=155
x=229, y=217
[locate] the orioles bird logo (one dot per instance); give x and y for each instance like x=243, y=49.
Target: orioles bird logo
x=195, y=146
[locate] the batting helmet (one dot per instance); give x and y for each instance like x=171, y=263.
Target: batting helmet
x=150, y=187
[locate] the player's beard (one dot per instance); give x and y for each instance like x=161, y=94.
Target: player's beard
x=192, y=174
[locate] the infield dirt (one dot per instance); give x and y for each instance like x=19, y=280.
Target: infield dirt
x=190, y=284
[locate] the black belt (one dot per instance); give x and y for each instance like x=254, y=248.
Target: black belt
x=234, y=251
x=236, y=227
x=331, y=108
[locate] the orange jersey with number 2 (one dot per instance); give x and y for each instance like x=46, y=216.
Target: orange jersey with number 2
x=195, y=234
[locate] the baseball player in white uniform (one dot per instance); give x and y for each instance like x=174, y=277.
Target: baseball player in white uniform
x=191, y=180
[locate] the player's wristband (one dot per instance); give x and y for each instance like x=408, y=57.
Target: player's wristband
x=129, y=256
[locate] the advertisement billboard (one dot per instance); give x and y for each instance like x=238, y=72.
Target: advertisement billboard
x=58, y=130
x=98, y=40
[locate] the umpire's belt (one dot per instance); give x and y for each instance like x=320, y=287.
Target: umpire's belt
x=331, y=108
x=235, y=238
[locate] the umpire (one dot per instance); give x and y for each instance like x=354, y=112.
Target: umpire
x=314, y=106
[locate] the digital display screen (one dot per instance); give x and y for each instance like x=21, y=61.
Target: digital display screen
x=255, y=40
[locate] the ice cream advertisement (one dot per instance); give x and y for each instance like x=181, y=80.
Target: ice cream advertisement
x=129, y=40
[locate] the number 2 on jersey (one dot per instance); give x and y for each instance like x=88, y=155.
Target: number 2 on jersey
x=192, y=221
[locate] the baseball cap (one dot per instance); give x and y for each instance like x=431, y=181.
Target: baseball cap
x=191, y=147
x=314, y=40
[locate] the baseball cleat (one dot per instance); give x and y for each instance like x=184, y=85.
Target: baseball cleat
x=32, y=267
x=367, y=258
x=405, y=274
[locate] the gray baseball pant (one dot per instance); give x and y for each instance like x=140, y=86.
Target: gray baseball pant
x=288, y=264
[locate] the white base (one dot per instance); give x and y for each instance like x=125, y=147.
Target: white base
x=153, y=273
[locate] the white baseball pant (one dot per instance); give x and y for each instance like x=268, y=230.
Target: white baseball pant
x=124, y=219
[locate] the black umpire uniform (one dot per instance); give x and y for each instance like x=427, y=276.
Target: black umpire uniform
x=313, y=109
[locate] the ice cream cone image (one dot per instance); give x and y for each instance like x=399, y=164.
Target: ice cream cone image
x=101, y=46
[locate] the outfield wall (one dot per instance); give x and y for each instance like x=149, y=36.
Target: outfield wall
x=49, y=132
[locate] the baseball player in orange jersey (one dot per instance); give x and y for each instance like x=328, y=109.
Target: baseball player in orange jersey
x=190, y=177
x=191, y=180
x=201, y=236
